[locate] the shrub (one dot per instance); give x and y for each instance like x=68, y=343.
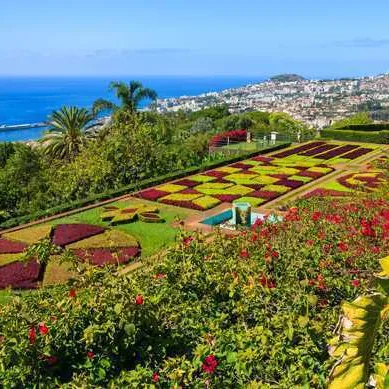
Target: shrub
x=357, y=136
x=255, y=309
x=105, y=256
x=223, y=138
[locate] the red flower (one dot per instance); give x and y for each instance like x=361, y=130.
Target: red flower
x=50, y=359
x=321, y=235
x=187, y=240
x=244, y=253
x=310, y=242
x=90, y=354
x=32, y=335
x=343, y=247
x=155, y=377
x=355, y=283
x=72, y=293
x=275, y=254
x=139, y=300
x=209, y=365
x=43, y=329
x=159, y=276
x=316, y=216
x=375, y=250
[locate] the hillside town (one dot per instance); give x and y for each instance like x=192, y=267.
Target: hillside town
x=315, y=102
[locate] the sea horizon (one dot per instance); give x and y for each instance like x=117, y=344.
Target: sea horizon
x=31, y=99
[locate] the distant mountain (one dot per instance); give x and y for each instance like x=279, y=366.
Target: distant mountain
x=287, y=78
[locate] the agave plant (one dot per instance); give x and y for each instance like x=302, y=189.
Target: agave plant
x=70, y=127
x=356, y=334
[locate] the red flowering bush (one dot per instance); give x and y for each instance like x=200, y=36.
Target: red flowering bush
x=222, y=138
x=257, y=307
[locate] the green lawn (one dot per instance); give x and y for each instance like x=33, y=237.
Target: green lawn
x=253, y=146
x=152, y=236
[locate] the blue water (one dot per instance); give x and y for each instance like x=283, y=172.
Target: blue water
x=31, y=100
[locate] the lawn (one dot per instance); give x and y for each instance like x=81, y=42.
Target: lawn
x=252, y=146
x=152, y=237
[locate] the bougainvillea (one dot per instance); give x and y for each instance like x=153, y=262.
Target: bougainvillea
x=233, y=136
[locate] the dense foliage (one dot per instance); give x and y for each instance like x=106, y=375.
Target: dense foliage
x=250, y=310
x=68, y=166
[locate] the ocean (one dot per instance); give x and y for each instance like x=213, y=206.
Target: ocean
x=31, y=99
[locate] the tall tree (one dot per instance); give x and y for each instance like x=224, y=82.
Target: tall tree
x=69, y=129
x=130, y=96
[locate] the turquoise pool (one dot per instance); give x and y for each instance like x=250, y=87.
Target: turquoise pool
x=225, y=219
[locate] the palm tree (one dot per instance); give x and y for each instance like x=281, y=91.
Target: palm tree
x=129, y=96
x=69, y=130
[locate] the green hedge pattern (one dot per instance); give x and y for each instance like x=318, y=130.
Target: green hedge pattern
x=381, y=137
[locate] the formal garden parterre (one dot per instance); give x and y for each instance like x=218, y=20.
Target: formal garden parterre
x=257, y=180
x=97, y=237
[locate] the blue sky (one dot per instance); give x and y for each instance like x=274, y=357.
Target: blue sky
x=194, y=37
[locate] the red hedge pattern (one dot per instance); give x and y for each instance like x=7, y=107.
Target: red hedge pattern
x=152, y=194
x=65, y=234
x=21, y=275
x=11, y=247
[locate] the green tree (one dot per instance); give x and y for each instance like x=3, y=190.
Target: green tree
x=130, y=96
x=22, y=182
x=285, y=125
x=358, y=119
x=69, y=130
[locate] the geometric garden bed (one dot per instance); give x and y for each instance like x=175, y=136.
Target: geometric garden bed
x=256, y=180
x=94, y=244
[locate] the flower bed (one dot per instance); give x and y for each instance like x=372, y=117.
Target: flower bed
x=297, y=150
x=110, y=238
x=30, y=235
x=318, y=150
x=65, y=234
x=21, y=275
x=152, y=194
x=271, y=295
x=236, y=181
x=149, y=217
x=102, y=257
x=11, y=247
x=357, y=153
x=337, y=152
x=18, y=274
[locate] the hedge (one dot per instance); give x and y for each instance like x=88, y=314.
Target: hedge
x=95, y=199
x=363, y=127
x=381, y=137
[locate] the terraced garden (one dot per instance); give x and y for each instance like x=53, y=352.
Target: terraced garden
x=122, y=231
x=257, y=180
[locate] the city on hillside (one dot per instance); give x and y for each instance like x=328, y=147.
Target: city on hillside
x=316, y=102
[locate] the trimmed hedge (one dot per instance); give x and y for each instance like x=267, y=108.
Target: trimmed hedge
x=364, y=127
x=132, y=188
x=381, y=137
